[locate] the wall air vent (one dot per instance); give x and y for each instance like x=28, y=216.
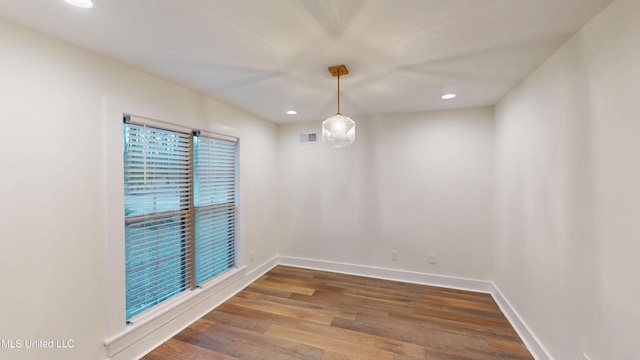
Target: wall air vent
x=309, y=138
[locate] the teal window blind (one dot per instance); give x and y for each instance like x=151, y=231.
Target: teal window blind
x=157, y=167
x=180, y=212
x=215, y=206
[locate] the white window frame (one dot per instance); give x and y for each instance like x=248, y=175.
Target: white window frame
x=125, y=341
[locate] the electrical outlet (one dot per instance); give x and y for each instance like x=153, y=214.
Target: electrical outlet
x=433, y=259
x=394, y=255
x=250, y=256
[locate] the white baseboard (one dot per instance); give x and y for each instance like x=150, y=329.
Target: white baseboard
x=526, y=335
x=390, y=274
x=528, y=338
x=216, y=298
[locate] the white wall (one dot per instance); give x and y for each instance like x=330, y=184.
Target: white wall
x=53, y=185
x=567, y=224
x=415, y=183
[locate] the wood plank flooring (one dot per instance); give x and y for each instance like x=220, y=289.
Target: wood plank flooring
x=292, y=313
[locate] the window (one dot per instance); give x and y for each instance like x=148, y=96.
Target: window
x=215, y=205
x=180, y=212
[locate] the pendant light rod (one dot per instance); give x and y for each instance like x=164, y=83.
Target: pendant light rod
x=338, y=94
x=337, y=71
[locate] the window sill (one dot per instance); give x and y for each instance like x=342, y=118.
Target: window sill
x=172, y=310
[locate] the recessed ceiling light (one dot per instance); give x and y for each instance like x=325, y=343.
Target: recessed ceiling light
x=292, y=112
x=448, y=96
x=85, y=4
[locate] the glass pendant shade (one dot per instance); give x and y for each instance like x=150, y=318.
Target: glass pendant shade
x=338, y=131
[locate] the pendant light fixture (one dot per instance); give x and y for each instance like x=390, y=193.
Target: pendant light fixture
x=338, y=130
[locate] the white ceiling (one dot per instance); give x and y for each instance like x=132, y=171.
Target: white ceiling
x=269, y=56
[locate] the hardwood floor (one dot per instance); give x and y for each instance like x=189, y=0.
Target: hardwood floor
x=293, y=313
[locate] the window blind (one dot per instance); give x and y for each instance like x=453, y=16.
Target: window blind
x=215, y=206
x=157, y=184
